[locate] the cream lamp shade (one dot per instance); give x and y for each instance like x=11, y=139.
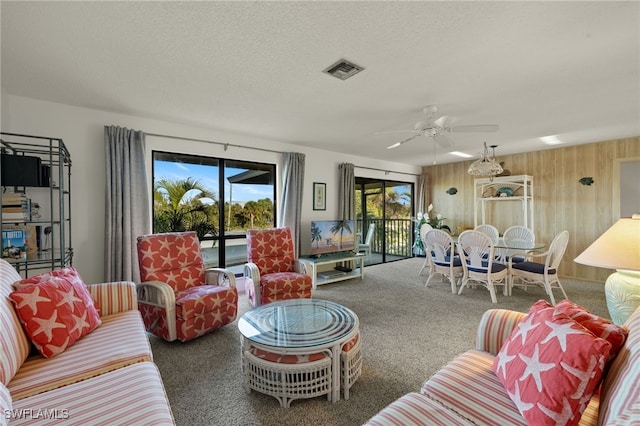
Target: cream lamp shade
x=618, y=248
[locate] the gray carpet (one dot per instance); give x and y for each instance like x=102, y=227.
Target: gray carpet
x=408, y=332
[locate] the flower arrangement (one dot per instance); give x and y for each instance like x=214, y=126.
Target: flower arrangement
x=436, y=222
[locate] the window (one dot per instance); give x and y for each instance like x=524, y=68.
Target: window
x=187, y=194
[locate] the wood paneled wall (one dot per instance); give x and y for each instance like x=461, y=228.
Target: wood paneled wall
x=560, y=201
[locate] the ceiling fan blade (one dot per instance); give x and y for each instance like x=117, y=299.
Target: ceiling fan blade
x=394, y=131
x=397, y=144
x=442, y=121
x=474, y=128
x=443, y=141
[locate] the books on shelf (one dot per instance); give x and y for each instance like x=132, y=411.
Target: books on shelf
x=32, y=238
x=16, y=207
x=14, y=244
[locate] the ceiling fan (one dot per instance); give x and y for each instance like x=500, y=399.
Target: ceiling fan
x=439, y=128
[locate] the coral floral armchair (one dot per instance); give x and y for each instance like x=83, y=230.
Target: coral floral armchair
x=273, y=270
x=178, y=298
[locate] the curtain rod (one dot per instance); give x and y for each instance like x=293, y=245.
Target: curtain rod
x=387, y=171
x=226, y=145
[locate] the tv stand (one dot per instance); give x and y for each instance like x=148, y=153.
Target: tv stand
x=320, y=277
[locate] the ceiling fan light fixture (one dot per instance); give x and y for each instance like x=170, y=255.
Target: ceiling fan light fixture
x=485, y=166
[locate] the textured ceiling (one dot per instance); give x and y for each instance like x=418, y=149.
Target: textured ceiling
x=536, y=69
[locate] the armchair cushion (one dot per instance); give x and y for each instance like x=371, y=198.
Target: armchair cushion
x=271, y=250
x=550, y=366
x=55, y=312
x=198, y=300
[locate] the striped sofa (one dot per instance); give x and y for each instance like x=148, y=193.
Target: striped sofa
x=467, y=392
x=105, y=378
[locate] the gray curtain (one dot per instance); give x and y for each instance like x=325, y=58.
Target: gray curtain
x=346, y=192
x=127, y=202
x=292, y=191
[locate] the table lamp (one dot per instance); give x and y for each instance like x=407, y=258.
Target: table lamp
x=618, y=248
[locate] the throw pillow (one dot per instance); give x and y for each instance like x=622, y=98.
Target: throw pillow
x=74, y=278
x=600, y=327
x=550, y=365
x=53, y=314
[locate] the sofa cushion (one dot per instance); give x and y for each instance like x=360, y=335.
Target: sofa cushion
x=5, y=404
x=55, y=313
x=133, y=395
x=13, y=340
x=550, y=366
x=120, y=341
x=459, y=384
x=414, y=409
x=620, y=393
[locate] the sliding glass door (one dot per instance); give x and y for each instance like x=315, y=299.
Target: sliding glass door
x=389, y=206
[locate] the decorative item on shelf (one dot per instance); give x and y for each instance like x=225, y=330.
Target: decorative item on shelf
x=588, y=180
x=505, y=191
x=505, y=172
x=617, y=249
x=485, y=166
x=452, y=191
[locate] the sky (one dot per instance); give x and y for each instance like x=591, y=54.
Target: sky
x=208, y=177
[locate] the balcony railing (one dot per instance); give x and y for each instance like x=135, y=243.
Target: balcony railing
x=399, y=235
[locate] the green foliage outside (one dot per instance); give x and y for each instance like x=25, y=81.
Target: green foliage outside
x=186, y=205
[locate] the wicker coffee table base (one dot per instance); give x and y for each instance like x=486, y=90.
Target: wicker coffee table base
x=287, y=382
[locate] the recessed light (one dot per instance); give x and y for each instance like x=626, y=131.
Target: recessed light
x=551, y=140
x=461, y=154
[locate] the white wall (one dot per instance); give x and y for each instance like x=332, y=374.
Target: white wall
x=82, y=130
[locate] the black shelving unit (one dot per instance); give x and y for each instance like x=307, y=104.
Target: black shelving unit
x=50, y=190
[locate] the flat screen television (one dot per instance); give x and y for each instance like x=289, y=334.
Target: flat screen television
x=332, y=236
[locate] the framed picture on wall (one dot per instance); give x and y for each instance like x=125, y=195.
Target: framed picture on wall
x=319, y=196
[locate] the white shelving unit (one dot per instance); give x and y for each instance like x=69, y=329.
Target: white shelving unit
x=504, y=189
x=325, y=276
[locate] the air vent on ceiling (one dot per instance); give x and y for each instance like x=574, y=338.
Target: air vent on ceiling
x=343, y=69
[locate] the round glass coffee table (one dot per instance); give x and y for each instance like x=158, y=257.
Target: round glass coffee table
x=312, y=332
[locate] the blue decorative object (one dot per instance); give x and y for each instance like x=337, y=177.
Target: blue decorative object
x=452, y=191
x=586, y=180
x=508, y=192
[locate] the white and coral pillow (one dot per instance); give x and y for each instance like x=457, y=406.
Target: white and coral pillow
x=600, y=327
x=68, y=272
x=55, y=312
x=550, y=365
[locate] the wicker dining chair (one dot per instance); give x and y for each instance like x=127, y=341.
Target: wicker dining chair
x=423, y=234
x=477, y=252
x=543, y=273
x=514, y=235
x=489, y=230
x=443, y=261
